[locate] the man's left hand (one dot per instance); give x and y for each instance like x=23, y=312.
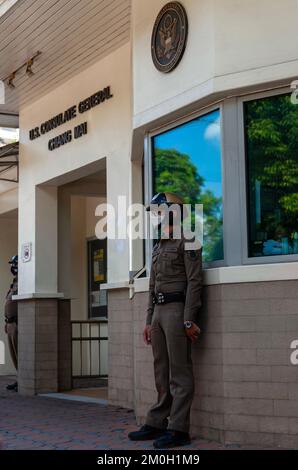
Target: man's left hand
x=193, y=333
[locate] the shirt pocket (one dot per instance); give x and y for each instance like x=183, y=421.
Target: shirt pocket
x=154, y=261
x=172, y=263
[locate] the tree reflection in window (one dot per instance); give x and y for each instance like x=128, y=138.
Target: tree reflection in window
x=271, y=127
x=187, y=162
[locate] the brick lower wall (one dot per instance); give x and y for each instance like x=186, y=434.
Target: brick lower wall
x=246, y=387
x=38, y=346
x=44, y=342
x=121, y=349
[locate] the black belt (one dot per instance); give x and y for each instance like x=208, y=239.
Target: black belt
x=161, y=298
x=11, y=320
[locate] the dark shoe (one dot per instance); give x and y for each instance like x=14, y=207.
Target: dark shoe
x=13, y=386
x=172, y=439
x=146, y=433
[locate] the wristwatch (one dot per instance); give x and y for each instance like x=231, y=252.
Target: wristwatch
x=188, y=324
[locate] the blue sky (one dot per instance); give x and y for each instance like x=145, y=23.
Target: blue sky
x=201, y=140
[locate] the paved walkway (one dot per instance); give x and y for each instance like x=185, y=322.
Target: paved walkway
x=29, y=423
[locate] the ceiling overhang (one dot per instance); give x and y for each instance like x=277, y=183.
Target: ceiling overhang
x=70, y=34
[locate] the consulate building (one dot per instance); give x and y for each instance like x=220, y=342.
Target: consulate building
x=126, y=98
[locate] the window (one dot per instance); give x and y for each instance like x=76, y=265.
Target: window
x=187, y=162
x=271, y=131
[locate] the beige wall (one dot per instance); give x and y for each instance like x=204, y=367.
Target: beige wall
x=246, y=386
x=231, y=44
x=196, y=67
x=109, y=136
x=8, y=248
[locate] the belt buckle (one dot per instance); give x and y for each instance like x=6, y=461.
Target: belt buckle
x=160, y=298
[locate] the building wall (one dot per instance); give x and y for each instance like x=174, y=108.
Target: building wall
x=231, y=44
x=106, y=147
x=246, y=387
x=109, y=136
x=245, y=383
x=8, y=248
x=83, y=221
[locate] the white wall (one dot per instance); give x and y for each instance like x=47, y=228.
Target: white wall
x=8, y=248
x=109, y=136
x=231, y=44
x=196, y=67
x=83, y=223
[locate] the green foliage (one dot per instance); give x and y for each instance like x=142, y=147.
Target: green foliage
x=272, y=144
x=174, y=172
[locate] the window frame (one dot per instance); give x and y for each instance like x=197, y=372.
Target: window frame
x=234, y=178
x=244, y=190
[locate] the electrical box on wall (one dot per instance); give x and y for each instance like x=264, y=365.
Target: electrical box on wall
x=26, y=252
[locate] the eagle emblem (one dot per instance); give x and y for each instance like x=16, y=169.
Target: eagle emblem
x=169, y=37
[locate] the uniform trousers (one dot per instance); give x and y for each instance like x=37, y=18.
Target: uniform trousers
x=173, y=369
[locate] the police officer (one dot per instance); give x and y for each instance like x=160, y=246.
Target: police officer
x=11, y=318
x=174, y=302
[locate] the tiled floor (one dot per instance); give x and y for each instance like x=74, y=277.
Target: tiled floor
x=46, y=423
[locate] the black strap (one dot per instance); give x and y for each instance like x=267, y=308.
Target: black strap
x=11, y=320
x=161, y=298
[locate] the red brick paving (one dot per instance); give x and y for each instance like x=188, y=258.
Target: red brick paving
x=31, y=423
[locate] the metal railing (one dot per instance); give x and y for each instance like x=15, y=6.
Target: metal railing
x=89, y=349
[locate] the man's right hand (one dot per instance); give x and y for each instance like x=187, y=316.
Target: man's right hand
x=147, y=334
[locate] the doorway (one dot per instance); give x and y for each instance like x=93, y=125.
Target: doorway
x=82, y=271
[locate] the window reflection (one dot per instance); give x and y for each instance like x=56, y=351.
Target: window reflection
x=271, y=126
x=187, y=162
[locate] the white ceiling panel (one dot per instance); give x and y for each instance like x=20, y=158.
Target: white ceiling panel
x=71, y=35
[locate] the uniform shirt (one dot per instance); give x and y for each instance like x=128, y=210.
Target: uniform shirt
x=176, y=268
x=11, y=306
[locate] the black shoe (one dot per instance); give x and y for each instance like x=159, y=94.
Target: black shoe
x=172, y=439
x=13, y=386
x=146, y=433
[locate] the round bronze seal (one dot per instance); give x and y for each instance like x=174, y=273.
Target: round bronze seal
x=169, y=37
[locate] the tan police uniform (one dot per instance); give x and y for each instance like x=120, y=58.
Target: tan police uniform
x=11, y=318
x=176, y=271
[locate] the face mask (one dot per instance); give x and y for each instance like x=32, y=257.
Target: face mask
x=157, y=220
